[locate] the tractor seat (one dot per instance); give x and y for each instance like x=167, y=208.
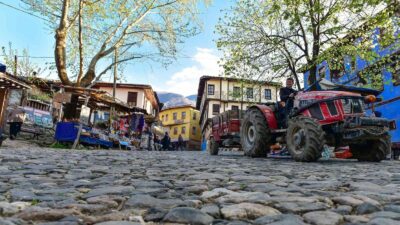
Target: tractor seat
x=273, y=105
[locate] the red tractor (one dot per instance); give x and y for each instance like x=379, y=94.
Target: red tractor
x=225, y=131
x=318, y=119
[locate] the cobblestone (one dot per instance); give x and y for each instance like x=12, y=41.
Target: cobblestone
x=44, y=186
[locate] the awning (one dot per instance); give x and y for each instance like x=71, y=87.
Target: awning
x=101, y=99
x=12, y=82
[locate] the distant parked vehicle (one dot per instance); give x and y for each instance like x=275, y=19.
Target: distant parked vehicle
x=225, y=130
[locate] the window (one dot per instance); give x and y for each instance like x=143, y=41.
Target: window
x=336, y=68
x=175, y=130
x=194, y=116
x=267, y=94
x=336, y=74
x=215, y=109
x=235, y=108
x=211, y=89
x=321, y=72
x=166, y=117
x=183, y=130
x=175, y=116
x=132, y=98
x=193, y=130
x=249, y=92
x=162, y=118
x=183, y=115
x=236, y=92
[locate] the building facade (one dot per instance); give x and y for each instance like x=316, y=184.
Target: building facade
x=138, y=95
x=182, y=120
x=219, y=94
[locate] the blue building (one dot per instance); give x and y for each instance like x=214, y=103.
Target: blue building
x=386, y=67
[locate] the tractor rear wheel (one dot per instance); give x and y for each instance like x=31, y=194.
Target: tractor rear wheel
x=305, y=139
x=254, y=134
x=214, y=147
x=372, y=150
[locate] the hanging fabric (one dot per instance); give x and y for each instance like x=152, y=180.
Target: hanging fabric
x=141, y=123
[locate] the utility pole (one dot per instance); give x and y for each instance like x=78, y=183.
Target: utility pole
x=15, y=64
x=115, y=71
x=112, y=113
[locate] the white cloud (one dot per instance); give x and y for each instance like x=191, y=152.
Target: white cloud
x=186, y=81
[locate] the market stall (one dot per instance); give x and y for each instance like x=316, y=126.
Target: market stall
x=7, y=83
x=122, y=130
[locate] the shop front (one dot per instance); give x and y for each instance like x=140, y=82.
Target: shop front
x=8, y=82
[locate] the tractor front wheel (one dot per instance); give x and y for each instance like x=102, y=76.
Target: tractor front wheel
x=371, y=150
x=254, y=134
x=305, y=139
x=214, y=147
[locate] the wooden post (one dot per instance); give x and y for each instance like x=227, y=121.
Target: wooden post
x=80, y=126
x=115, y=71
x=61, y=107
x=3, y=109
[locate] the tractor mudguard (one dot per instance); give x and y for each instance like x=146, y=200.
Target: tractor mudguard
x=268, y=114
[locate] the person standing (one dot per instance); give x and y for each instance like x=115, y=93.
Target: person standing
x=156, y=142
x=166, y=142
x=180, y=143
x=16, y=118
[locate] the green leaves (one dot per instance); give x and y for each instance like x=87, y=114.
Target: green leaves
x=276, y=38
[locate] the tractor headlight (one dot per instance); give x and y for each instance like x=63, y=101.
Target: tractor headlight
x=370, y=99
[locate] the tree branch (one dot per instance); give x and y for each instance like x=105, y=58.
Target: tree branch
x=111, y=66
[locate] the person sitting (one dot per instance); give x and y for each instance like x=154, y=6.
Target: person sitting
x=286, y=104
x=286, y=92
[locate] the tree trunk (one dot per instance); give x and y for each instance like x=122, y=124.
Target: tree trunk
x=296, y=77
x=60, y=52
x=70, y=109
x=89, y=77
x=80, y=39
x=312, y=77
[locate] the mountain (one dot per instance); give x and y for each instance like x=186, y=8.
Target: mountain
x=166, y=96
x=192, y=97
x=172, y=99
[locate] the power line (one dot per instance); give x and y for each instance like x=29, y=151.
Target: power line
x=33, y=57
x=52, y=57
x=21, y=10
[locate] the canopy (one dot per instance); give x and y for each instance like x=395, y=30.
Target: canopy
x=324, y=84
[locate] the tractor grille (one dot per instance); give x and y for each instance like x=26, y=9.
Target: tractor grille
x=352, y=105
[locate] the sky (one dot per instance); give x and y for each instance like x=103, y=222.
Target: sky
x=199, y=54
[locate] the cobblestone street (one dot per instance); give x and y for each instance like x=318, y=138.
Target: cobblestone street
x=39, y=186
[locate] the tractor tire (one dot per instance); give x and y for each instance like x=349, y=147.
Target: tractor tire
x=214, y=147
x=254, y=134
x=371, y=150
x=305, y=139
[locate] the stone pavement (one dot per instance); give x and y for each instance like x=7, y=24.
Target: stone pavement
x=62, y=187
